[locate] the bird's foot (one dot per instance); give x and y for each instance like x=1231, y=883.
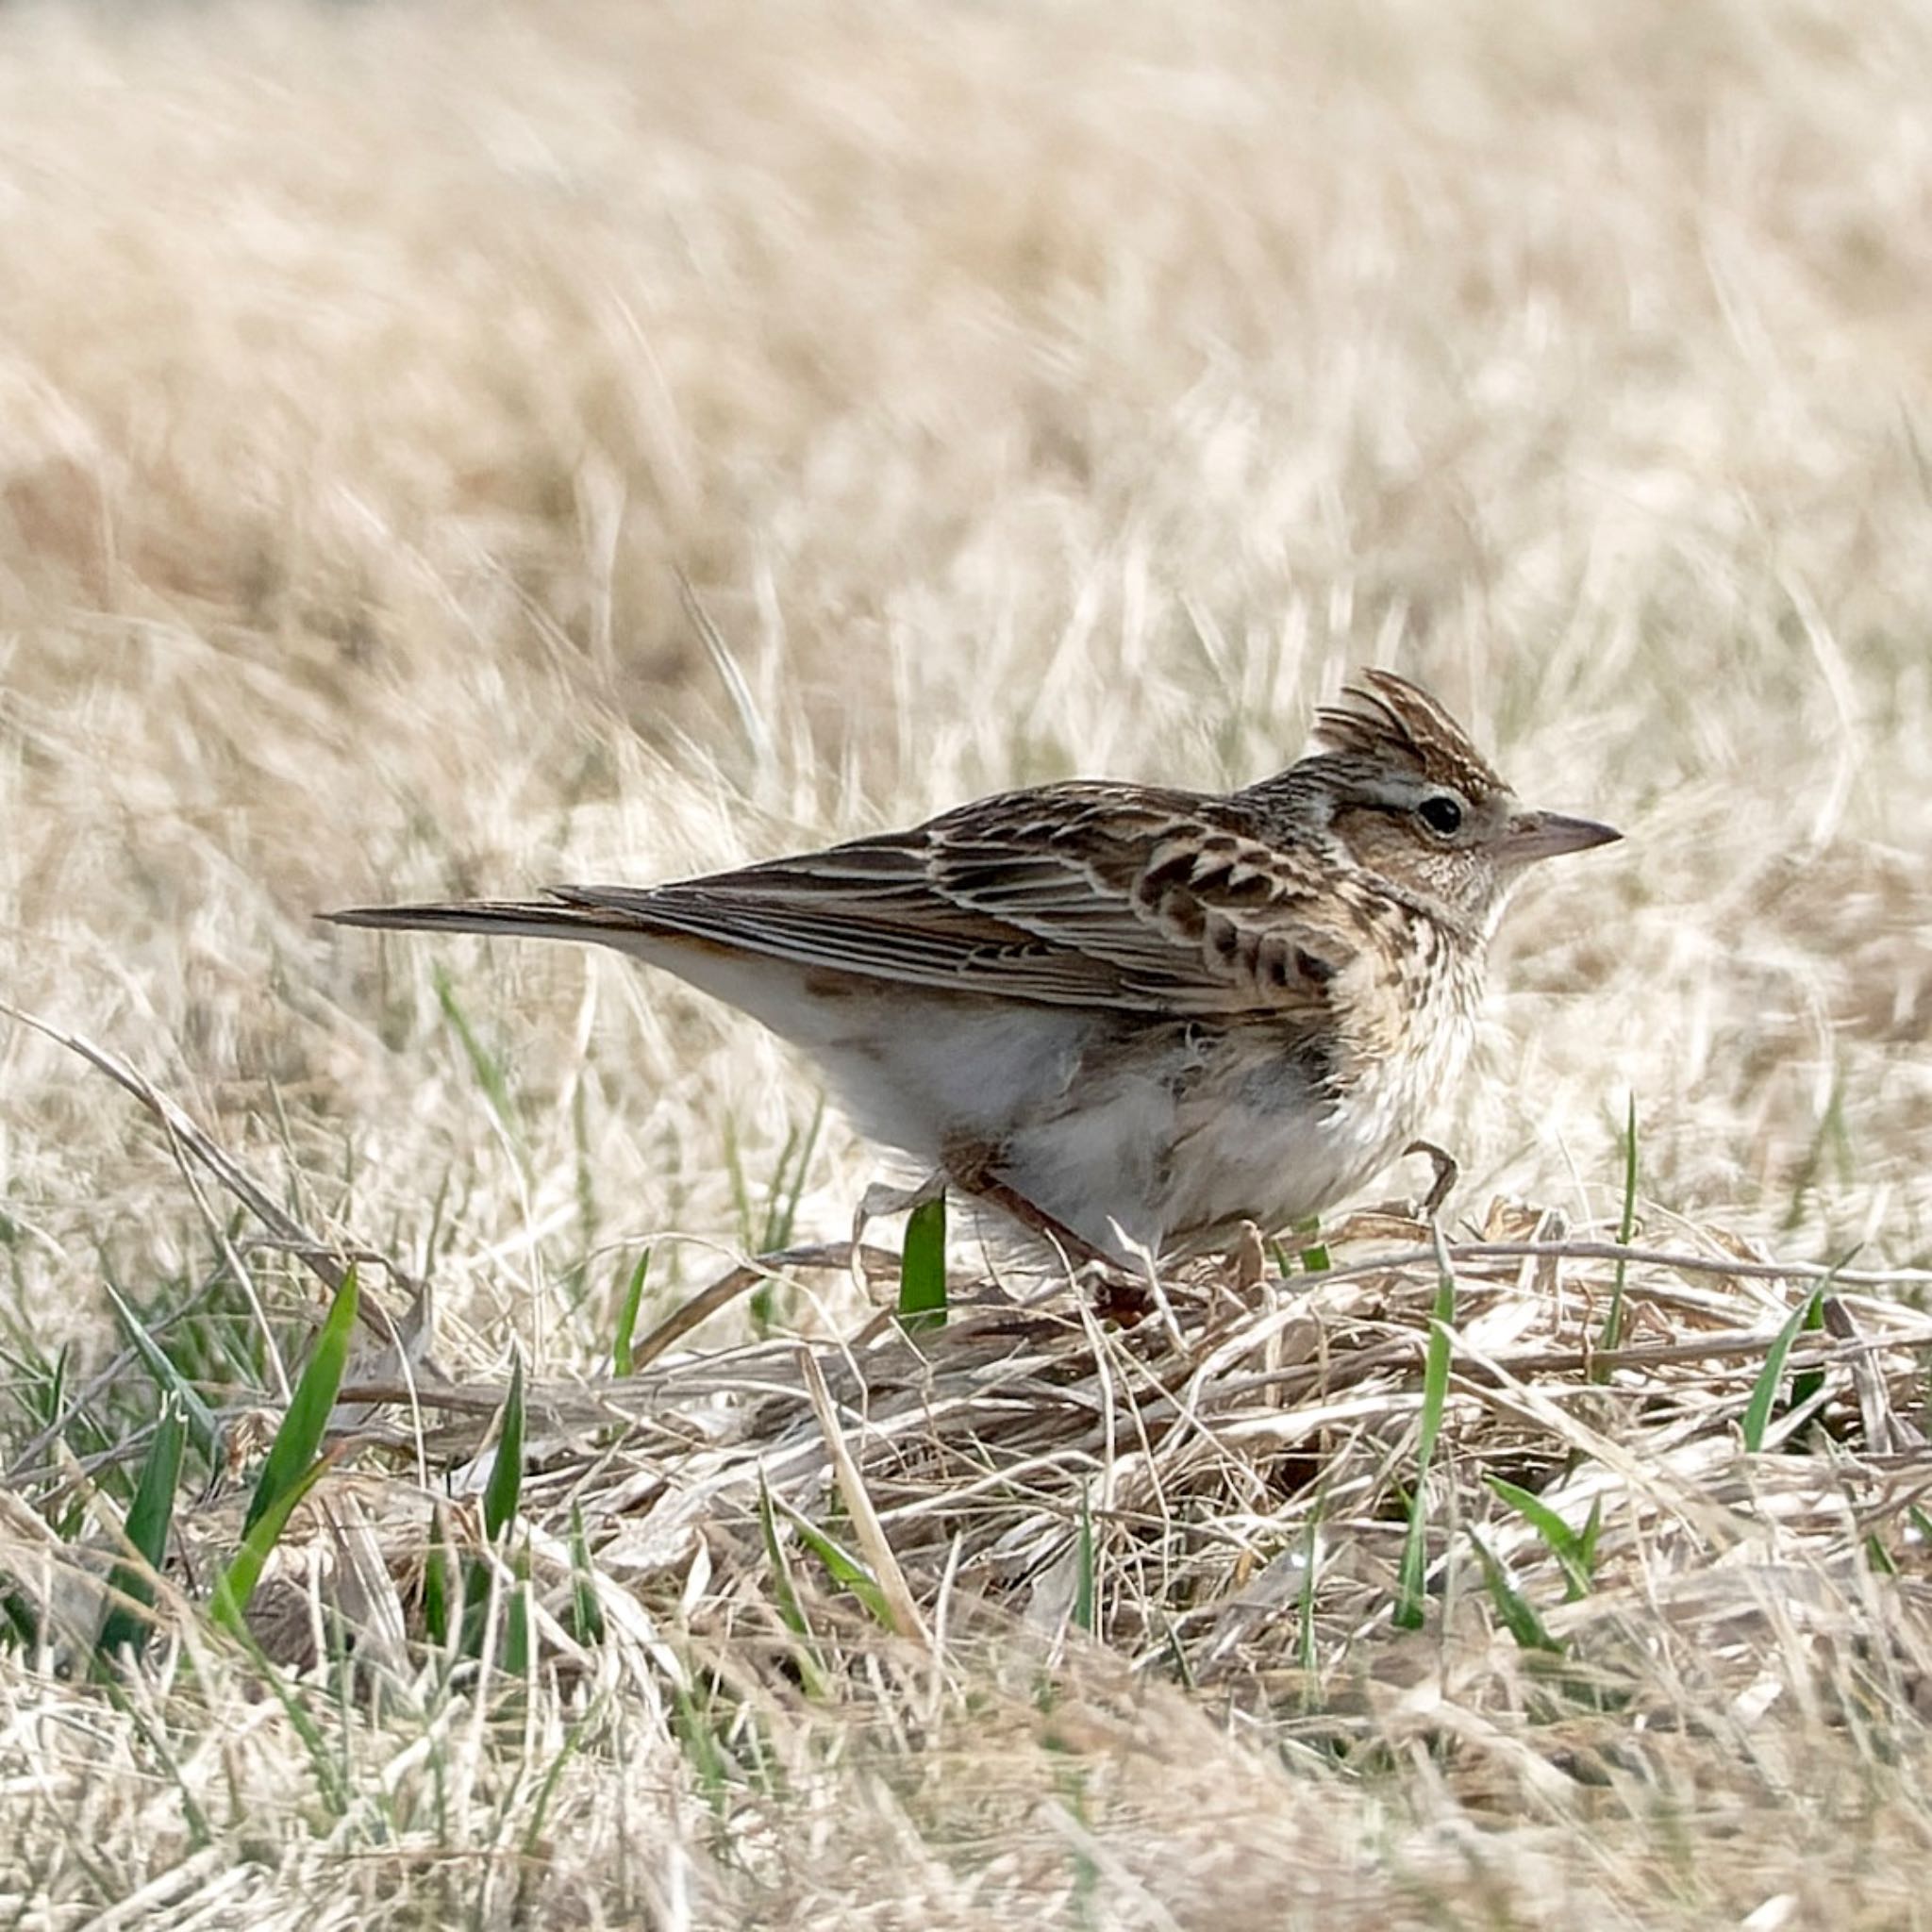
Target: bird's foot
x=1447, y=1171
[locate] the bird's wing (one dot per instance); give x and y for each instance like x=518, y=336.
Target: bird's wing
x=1065, y=894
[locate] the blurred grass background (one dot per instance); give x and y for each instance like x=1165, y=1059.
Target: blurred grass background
x=1025, y=390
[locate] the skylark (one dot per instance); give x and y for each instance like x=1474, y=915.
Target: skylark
x=1118, y=1010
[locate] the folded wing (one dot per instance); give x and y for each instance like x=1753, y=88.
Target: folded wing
x=1081, y=894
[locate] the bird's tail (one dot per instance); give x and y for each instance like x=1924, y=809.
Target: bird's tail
x=545, y=919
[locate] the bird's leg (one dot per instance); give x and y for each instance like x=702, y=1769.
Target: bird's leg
x=1010, y=1200
x=969, y=1166
x=1117, y=1296
x=1447, y=1169
x=1249, y=1254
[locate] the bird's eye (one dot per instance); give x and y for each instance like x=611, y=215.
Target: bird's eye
x=1441, y=814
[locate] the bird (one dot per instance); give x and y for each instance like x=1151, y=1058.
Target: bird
x=1129, y=1017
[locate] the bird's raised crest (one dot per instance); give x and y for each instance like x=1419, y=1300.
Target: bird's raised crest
x=1398, y=720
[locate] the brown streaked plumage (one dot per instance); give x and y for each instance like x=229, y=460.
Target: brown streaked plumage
x=1120, y=1009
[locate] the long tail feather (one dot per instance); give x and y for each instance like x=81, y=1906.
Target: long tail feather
x=532, y=918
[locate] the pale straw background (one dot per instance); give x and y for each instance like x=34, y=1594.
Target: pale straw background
x=1025, y=392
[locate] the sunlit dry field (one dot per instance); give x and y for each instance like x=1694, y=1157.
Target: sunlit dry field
x=447, y=450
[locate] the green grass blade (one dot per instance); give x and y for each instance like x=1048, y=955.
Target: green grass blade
x=1587, y=1535
x=627, y=1316
x=516, y=1633
x=294, y=1459
x=536, y=1853
x=1764, y=1390
x=235, y=1583
x=586, y=1612
x=588, y=1217
x=440, y=1574
x=502, y=1493
x=154, y=1739
x=1805, y=1386
x=1084, y=1572
x=1313, y=1249
x=1831, y=1147
x=487, y=1067
x=474, y=1599
x=811, y=1671
x=298, y=1440
x=783, y=1192
x=149, y=1517
x=1575, y=1550
x=153, y=1507
x=842, y=1567
x=329, y=1781
x=740, y=1188
x=22, y=1620
x=711, y=1765
x=1412, y=1598
x=199, y=1418
x=39, y=1389
x=55, y=1384
x=1518, y=1614
x=923, y=1266
x=784, y=1590
x=505, y=1487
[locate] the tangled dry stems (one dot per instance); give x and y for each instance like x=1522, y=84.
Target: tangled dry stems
x=1086, y=1536
x=376, y=376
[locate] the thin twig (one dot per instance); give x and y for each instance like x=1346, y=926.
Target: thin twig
x=319, y=1255
x=747, y=1274
x=1646, y=1258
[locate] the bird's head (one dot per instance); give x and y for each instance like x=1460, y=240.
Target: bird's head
x=1397, y=789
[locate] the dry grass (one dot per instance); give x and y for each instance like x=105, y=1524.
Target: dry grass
x=1023, y=392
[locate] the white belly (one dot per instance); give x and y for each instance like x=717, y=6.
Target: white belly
x=1172, y=1133
x=1179, y=1148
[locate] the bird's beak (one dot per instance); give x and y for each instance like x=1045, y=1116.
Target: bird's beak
x=1533, y=835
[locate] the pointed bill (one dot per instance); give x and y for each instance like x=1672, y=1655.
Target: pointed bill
x=1534, y=835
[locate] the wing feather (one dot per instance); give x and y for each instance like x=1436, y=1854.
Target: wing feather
x=1079, y=893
